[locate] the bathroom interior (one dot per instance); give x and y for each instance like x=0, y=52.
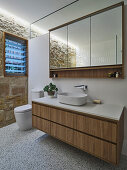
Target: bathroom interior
x=63, y=85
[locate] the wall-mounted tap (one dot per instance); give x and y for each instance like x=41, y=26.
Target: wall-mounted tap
x=83, y=87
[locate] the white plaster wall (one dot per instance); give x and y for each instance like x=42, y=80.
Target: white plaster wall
x=108, y=90
x=38, y=63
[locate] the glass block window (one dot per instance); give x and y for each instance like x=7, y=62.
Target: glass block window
x=15, y=55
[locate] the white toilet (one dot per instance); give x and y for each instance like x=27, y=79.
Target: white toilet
x=23, y=114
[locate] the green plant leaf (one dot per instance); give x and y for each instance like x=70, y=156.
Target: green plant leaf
x=51, y=87
x=46, y=88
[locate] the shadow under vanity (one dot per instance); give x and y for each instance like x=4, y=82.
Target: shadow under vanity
x=90, y=47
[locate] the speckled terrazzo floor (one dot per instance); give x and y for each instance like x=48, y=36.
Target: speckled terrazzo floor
x=34, y=150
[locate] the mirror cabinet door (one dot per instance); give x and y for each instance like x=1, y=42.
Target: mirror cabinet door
x=79, y=44
x=106, y=38
x=58, y=48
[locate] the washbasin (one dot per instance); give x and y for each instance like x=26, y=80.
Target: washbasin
x=76, y=99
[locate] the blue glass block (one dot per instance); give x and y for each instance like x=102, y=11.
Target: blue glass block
x=14, y=50
x=18, y=57
x=12, y=65
x=15, y=61
x=15, y=71
x=15, y=45
x=8, y=60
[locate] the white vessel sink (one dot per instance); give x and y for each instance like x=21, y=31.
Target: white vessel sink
x=72, y=98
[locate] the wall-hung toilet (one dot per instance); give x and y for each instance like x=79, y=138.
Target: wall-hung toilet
x=23, y=114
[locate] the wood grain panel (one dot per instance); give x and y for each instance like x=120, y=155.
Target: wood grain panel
x=88, y=73
x=101, y=138
x=34, y=121
x=45, y=112
x=99, y=128
x=41, y=111
x=41, y=124
x=35, y=109
x=97, y=147
x=62, y=133
x=120, y=136
x=62, y=117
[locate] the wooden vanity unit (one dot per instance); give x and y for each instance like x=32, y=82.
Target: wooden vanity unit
x=95, y=133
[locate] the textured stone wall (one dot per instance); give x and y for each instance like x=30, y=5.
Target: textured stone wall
x=60, y=55
x=9, y=24
x=13, y=93
x=13, y=90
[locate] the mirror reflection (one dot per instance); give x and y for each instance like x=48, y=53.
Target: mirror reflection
x=58, y=48
x=93, y=41
x=106, y=38
x=79, y=38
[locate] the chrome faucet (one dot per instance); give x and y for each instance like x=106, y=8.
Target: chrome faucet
x=83, y=87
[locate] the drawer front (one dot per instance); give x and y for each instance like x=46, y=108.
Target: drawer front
x=62, y=133
x=99, y=128
x=41, y=111
x=41, y=124
x=62, y=117
x=97, y=147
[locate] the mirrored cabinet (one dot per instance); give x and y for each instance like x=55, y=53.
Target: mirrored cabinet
x=90, y=46
x=79, y=40
x=106, y=38
x=59, y=48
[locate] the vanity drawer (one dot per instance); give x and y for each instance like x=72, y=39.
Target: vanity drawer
x=41, y=124
x=62, y=117
x=63, y=133
x=41, y=111
x=102, y=149
x=99, y=128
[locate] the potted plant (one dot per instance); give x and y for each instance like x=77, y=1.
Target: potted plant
x=50, y=89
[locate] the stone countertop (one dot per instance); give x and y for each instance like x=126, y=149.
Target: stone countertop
x=110, y=111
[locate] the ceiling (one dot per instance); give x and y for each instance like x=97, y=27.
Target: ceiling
x=32, y=10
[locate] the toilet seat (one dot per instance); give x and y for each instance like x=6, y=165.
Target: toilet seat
x=23, y=114
x=22, y=109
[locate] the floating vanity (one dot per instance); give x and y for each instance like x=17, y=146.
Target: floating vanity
x=96, y=129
